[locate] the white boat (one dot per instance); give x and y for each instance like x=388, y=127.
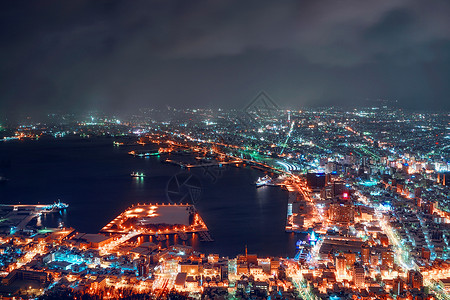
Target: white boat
x=263, y=181
x=137, y=174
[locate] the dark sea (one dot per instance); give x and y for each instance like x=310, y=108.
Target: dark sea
x=93, y=177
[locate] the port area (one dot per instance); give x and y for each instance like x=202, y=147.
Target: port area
x=202, y=163
x=302, y=214
x=195, y=158
x=159, y=220
x=16, y=217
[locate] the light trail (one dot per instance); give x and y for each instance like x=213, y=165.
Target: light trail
x=288, y=136
x=402, y=253
x=294, y=272
x=110, y=246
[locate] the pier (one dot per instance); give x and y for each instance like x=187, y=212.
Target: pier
x=203, y=165
x=21, y=214
x=37, y=207
x=159, y=220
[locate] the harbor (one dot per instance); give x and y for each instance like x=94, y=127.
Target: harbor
x=16, y=217
x=160, y=220
x=203, y=163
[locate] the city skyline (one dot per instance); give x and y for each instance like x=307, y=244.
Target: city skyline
x=234, y=204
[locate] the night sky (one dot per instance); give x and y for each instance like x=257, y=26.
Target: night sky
x=118, y=56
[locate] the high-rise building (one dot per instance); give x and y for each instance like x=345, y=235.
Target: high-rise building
x=143, y=269
x=350, y=258
x=315, y=180
x=358, y=275
x=341, y=211
x=375, y=259
x=387, y=258
x=365, y=253
x=341, y=266
x=426, y=253
x=398, y=286
x=384, y=240
x=415, y=279
x=428, y=207
x=338, y=189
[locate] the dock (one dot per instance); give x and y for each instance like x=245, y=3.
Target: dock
x=157, y=219
x=37, y=207
x=202, y=165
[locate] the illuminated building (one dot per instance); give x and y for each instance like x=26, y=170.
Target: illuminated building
x=143, y=269
x=358, y=275
x=365, y=253
x=350, y=258
x=387, y=258
x=398, y=286
x=213, y=258
x=90, y=240
x=315, y=180
x=426, y=253
x=191, y=268
x=242, y=269
x=24, y=275
x=341, y=266
x=415, y=279
x=99, y=283
x=341, y=211
x=338, y=189
x=256, y=270
x=428, y=207
x=274, y=265
x=261, y=285
x=180, y=280
x=384, y=240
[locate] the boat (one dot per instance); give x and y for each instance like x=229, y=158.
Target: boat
x=137, y=174
x=3, y=179
x=144, y=153
x=263, y=181
x=56, y=206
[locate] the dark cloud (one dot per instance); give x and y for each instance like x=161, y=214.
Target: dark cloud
x=120, y=55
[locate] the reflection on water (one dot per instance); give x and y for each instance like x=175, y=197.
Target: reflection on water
x=39, y=221
x=93, y=177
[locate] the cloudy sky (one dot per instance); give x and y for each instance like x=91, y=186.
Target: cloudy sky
x=121, y=55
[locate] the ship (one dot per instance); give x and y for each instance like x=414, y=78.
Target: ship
x=144, y=153
x=56, y=206
x=137, y=174
x=262, y=181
